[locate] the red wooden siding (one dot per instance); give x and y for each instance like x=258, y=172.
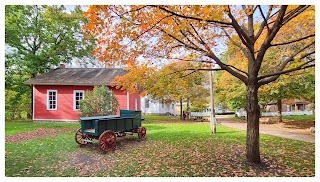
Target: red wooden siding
x=121, y=97
x=65, y=101
x=132, y=103
x=64, y=105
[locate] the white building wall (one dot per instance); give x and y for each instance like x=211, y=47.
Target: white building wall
x=156, y=107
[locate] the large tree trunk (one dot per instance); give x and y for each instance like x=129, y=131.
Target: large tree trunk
x=279, y=105
x=253, y=113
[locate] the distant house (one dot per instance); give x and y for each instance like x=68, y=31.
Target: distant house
x=290, y=105
x=154, y=107
x=56, y=94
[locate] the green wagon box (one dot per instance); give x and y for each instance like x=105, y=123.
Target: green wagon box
x=106, y=129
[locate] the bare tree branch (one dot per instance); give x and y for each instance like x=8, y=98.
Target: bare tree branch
x=283, y=65
x=201, y=40
x=270, y=36
x=254, y=9
x=280, y=69
x=190, y=17
x=180, y=41
x=265, y=21
x=276, y=75
x=191, y=42
x=227, y=68
x=154, y=25
x=293, y=41
x=237, y=69
x=192, y=69
x=294, y=13
x=243, y=36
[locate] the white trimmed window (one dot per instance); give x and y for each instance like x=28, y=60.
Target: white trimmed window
x=146, y=103
x=78, y=95
x=52, y=99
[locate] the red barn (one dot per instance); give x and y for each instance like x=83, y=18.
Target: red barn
x=56, y=94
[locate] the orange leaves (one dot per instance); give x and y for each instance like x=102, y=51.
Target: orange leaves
x=147, y=30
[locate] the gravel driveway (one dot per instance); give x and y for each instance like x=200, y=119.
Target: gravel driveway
x=271, y=129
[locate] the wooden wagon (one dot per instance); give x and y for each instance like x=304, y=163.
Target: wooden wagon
x=106, y=129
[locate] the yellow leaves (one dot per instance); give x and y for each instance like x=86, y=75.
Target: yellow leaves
x=249, y=10
x=226, y=8
x=207, y=10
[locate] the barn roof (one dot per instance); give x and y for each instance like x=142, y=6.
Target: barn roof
x=77, y=76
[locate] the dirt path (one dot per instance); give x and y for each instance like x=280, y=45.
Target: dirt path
x=34, y=134
x=280, y=130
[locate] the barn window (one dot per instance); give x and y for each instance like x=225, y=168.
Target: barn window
x=78, y=95
x=52, y=99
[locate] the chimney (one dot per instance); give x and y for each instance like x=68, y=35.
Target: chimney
x=62, y=66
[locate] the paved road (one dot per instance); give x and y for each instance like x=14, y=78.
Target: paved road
x=269, y=129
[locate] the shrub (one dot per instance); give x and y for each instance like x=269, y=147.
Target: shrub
x=100, y=101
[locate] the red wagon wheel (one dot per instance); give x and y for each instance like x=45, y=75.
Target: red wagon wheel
x=82, y=138
x=142, y=133
x=108, y=140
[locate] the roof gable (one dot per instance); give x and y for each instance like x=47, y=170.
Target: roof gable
x=77, y=76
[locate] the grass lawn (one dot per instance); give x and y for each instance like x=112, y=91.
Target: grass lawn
x=301, y=118
x=155, y=118
x=171, y=149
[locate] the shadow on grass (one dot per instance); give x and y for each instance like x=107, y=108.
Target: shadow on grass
x=222, y=132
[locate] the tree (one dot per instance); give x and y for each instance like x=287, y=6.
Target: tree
x=293, y=85
x=202, y=31
x=99, y=102
x=38, y=38
x=299, y=85
x=167, y=84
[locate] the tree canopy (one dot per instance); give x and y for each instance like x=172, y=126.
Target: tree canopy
x=37, y=39
x=170, y=83
x=170, y=32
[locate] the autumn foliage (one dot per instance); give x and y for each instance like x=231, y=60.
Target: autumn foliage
x=270, y=41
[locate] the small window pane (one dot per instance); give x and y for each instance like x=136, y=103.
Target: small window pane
x=52, y=100
x=78, y=95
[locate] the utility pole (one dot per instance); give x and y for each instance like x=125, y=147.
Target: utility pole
x=212, y=112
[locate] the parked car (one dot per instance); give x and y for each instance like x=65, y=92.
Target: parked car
x=241, y=113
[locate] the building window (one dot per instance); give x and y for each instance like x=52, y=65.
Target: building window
x=172, y=106
x=162, y=104
x=146, y=103
x=78, y=95
x=52, y=99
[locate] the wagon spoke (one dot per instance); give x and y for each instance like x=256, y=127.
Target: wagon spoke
x=81, y=138
x=107, y=140
x=142, y=133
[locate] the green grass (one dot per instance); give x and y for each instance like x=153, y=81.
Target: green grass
x=301, y=118
x=171, y=149
x=155, y=118
x=13, y=127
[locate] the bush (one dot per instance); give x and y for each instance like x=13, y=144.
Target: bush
x=99, y=102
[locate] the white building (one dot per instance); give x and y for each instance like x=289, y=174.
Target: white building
x=149, y=107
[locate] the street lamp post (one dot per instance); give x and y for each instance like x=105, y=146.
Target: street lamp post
x=212, y=112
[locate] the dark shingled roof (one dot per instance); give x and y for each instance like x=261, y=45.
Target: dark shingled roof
x=77, y=76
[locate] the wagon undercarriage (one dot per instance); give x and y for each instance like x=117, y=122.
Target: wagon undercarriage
x=107, y=140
